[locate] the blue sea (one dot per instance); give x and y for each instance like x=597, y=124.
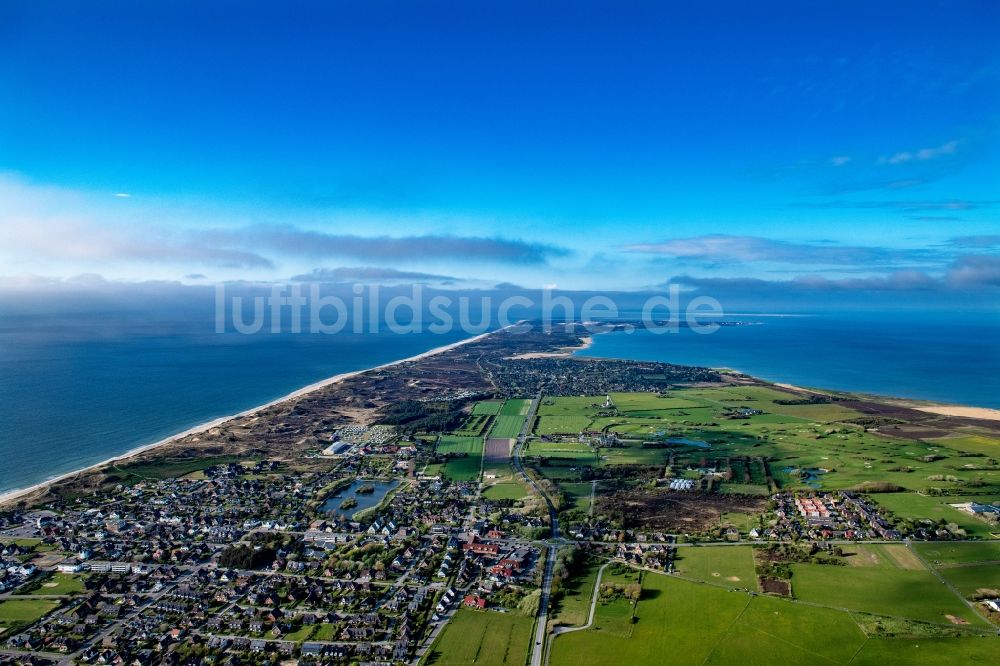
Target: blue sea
x=951, y=358
x=77, y=390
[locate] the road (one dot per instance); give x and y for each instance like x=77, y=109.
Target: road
x=542, y=620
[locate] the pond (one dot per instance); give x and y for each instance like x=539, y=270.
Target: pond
x=684, y=441
x=807, y=475
x=364, y=499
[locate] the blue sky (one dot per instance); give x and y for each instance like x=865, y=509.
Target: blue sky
x=587, y=145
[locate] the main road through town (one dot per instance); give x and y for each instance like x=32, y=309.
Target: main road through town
x=542, y=620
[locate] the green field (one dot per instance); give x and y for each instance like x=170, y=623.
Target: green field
x=821, y=436
x=483, y=637
x=690, y=623
x=169, y=468
x=487, y=407
x=916, y=507
x=511, y=490
x=58, y=584
x=19, y=612
x=459, y=444
x=577, y=496
x=561, y=425
x=731, y=566
x=515, y=408
x=506, y=427
x=572, y=606
x=463, y=469
x=882, y=590
x=942, y=554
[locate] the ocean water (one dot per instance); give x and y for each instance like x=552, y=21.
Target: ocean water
x=942, y=357
x=76, y=392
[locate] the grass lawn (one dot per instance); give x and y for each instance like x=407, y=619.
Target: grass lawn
x=882, y=590
x=573, y=605
x=774, y=631
x=19, y=612
x=60, y=583
x=512, y=490
x=561, y=425
x=324, y=632
x=463, y=469
x=483, y=637
x=487, y=407
x=515, y=408
x=724, y=565
x=577, y=496
x=681, y=622
x=916, y=507
x=506, y=426
x=171, y=468
x=969, y=579
x=942, y=554
x=929, y=651
x=459, y=444
x=674, y=618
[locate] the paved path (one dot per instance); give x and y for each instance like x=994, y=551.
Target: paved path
x=593, y=606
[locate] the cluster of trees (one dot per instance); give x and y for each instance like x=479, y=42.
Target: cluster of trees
x=410, y=416
x=242, y=556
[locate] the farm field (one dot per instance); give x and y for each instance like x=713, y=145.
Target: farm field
x=463, y=469
x=701, y=624
x=487, y=407
x=483, y=637
x=942, y=554
x=729, y=566
x=516, y=407
x=882, y=590
x=506, y=426
x=459, y=444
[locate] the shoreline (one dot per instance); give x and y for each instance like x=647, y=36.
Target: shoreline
x=8, y=496
x=919, y=404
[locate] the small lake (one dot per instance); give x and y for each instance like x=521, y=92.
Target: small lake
x=684, y=441
x=807, y=475
x=364, y=500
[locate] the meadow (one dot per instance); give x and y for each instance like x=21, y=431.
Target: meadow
x=485, y=638
x=19, y=612
x=706, y=624
x=506, y=426
x=730, y=566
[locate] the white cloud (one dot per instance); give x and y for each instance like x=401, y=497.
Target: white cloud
x=840, y=160
x=921, y=155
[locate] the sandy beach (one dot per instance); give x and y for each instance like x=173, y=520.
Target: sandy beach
x=960, y=410
x=12, y=495
x=565, y=352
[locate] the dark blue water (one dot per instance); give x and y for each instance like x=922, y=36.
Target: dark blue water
x=74, y=393
x=365, y=500
x=950, y=358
